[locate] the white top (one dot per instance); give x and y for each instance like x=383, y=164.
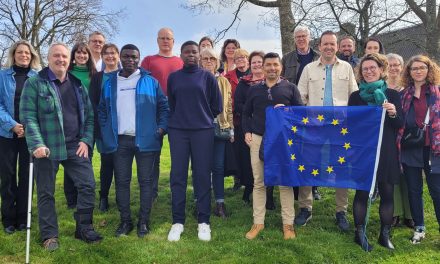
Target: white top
x=126, y=103
x=98, y=65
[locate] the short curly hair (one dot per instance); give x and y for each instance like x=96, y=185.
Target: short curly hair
x=381, y=61
x=433, y=76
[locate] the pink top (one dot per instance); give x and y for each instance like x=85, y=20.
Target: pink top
x=160, y=67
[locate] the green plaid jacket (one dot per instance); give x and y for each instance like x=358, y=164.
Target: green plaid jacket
x=41, y=113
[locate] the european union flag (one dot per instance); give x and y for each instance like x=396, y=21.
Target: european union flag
x=322, y=146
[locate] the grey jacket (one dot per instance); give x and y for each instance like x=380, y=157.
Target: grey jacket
x=291, y=64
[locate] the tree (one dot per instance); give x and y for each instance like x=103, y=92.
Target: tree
x=42, y=22
x=430, y=18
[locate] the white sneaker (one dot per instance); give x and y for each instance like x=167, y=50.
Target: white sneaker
x=175, y=231
x=204, y=232
x=418, y=236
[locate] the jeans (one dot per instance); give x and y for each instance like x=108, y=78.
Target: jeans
x=81, y=172
x=156, y=170
x=106, y=174
x=123, y=161
x=414, y=182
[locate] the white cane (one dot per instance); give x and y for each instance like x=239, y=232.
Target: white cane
x=28, y=224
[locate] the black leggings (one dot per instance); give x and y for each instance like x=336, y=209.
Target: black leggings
x=386, y=207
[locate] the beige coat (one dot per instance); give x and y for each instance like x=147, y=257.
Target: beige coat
x=312, y=82
x=225, y=117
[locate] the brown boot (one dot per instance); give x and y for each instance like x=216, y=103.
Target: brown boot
x=255, y=230
x=289, y=232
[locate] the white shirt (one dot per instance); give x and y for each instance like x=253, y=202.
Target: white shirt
x=126, y=103
x=98, y=65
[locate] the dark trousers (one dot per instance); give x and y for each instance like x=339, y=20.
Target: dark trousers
x=156, y=170
x=386, y=206
x=123, y=162
x=414, y=182
x=199, y=145
x=81, y=173
x=106, y=174
x=70, y=192
x=243, y=156
x=14, y=193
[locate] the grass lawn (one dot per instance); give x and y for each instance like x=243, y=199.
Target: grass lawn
x=318, y=242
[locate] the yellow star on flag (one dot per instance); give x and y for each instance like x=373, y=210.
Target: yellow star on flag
x=335, y=122
x=341, y=159
x=320, y=118
x=347, y=146
x=294, y=129
x=329, y=169
x=315, y=172
x=289, y=142
x=305, y=120
x=292, y=157
x=344, y=131
x=301, y=168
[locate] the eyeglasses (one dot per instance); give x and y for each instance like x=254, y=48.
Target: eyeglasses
x=371, y=69
x=301, y=37
x=209, y=59
x=421, y=68
x=269, y=95
x=97, y=41
x=110, y=53
x=395, y=65
x=163, y=39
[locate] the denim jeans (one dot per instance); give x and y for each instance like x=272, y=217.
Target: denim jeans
x=123, y=161
x=414, y=181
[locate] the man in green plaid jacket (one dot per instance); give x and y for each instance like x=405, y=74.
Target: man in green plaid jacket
x=58, y=118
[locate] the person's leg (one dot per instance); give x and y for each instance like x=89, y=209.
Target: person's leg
x=123, y=161
x=414, y=182
x=218, y=182
x=106, y=174
x=180, y=152
x=305, y=197
x=341, y=209
x=8, y=183
x=202, y=149
x=404, y=196
x=386, y=192
x=287, y=205
x=156, y=171
x=259, y=192
x=70, y=192
x=145, y=162
x=23, y=184
x=45, y=172
x=433, y=180
x=398, y=202
x=360, y=205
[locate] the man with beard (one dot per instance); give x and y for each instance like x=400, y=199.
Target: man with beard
x=347, y=47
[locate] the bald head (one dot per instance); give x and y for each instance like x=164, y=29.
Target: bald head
x=165, y=41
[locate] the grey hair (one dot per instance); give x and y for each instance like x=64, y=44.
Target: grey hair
x=58, y=44
x=210, y=52
x=35, y=59
x=391, y=56
x=302, y=29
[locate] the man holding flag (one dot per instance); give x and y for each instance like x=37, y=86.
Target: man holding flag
x=328, y=81
x=273, y=91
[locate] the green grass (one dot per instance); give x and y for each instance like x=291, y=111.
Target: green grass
x=318, y=242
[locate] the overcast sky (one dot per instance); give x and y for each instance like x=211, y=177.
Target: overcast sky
x=143, y=19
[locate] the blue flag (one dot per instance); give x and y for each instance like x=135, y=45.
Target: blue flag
x=322, y=146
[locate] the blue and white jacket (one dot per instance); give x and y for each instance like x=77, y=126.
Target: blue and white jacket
x=7, y=93
x=152, y=113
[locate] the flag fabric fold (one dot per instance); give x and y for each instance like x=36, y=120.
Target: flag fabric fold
x=322, y=146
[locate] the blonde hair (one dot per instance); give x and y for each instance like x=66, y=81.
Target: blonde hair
x=433, y=76
x=35, y=59
x=208, y=52
x=381, y=61
x=240, y=52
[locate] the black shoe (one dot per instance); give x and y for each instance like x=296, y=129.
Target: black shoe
x=124, y=228
x=220, y=210
x=21, y=227
x=71, y=206
x=103, y=204
x=9, y=229
x=409, y=223
x=342, y=221
x=270, y=202
x=396, y=221
x=316, y=194
x=361, y=239
x=385, y=235
x=303, y=217
x=84, y=228
x=237, y=186
x=142, y=229
x=247, y=193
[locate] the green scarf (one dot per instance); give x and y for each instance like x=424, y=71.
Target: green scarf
x=374, y=92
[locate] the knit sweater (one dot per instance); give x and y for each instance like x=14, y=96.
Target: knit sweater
x=194, y=98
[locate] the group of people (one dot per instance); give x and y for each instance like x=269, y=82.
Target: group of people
x=213, y=110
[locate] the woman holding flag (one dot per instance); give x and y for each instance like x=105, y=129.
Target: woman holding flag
x=373, y=91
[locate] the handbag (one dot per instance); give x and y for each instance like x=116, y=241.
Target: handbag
x=219, y=133
x=414, y=137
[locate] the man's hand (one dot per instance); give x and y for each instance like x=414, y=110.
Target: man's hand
x=19, y=130
x=248, y=138
x=41, y=152
x=83, y=150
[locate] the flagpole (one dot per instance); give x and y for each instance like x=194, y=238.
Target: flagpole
x=376, y=163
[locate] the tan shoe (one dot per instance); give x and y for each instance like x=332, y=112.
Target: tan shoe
x=289, y=232
x=255, y=230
